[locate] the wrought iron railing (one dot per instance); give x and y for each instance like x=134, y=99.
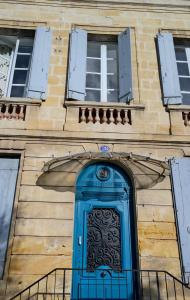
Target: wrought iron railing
x=106, y=284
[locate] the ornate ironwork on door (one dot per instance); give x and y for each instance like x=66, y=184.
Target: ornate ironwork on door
x=103, y=239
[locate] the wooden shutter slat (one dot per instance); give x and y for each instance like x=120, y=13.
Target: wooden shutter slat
x=77, y=65
x=38, y=75
x=8, y=177
x=180, y=177
x=168, y=66
x=125, y=66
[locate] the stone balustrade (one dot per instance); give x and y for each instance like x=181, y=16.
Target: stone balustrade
x=13, y=111
x=104, y=115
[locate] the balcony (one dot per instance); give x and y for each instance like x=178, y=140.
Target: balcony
x=98, y=116
x=18, y=113
x=106, y=284
x=179, y=119
x=14, y=111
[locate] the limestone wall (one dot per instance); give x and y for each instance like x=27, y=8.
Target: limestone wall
x=42, y=227
x=42, y=234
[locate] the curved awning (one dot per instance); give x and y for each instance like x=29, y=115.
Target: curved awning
x=146, y=171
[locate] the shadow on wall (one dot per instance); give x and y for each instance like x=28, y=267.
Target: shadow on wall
x=61, y=178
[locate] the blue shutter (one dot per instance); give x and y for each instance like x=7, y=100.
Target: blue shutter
x=8, y=177
x=169, y=73
x=125, y=66
x=181, y=187
x=38, y=75
x=77, y=65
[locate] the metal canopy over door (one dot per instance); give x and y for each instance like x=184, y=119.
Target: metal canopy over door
x=102, y=238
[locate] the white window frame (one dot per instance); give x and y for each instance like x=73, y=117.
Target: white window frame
x=11, y=69
x=14, y=47
x=103, y=69
x=187, y=51
x=103, y=73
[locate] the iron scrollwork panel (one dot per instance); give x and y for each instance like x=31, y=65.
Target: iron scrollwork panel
x=103, y=239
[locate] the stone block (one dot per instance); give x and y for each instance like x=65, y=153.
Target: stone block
x=171, y=264
x=152, y=197
x=155, y=213
x=44, y=227
x=37, y=193
x=158, y=248
x=42, y=245
x=157, y=230
x=52, y=150
x=46, y=210
x=38, y=264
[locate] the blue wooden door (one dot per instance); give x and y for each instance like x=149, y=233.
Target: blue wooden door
x=102, y=254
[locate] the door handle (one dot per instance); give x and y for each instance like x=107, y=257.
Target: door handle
x=80, y=240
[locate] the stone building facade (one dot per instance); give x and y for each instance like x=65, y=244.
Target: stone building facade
x=44, y=125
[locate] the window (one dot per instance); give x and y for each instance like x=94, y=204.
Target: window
x=174, y=56
x=100, y=67
x=101, y=72
x=8, y=178
x=15, y=58
x=24, y=60
x=182, y=52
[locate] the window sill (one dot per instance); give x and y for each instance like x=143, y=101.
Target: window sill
x=113, y=105
x=25, y=101
x=178, y=107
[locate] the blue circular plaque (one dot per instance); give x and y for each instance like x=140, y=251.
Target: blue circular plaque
x=104, y=148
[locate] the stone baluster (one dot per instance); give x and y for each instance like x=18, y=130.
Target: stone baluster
x=104, y=110
x=95, y=115
x=6, y=113
x=21, y=114
x=14, y=115
x=111, y=118
x=90, y=118
x=119, y=119
x=185, y=118
x=126, y=118
x=1, y=114
x=83, y=117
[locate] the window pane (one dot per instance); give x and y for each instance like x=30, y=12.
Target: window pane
x=180, y=54
x=93, y=65
x=111, y=66
x=92, y=95
x=113, y=96
x=22, y=61
x=112, y=51
x=112, y=82
x=25, y=49
x=186, y=99
x=183, y=69
x=93, y=49
x=19, y=77
x=17, y=91
x=93, y=81
x=185, y=84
